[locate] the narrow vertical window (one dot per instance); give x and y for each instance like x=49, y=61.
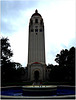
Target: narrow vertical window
x=40, y=30
x=32, y=30
x=36, y=33
x=31, y=21
x=41, y=22
x=36, y=20
x=36, y=30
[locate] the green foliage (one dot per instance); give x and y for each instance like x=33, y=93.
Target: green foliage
x=6, y=52
x=65, y=71
x=20, y=72
x=66, y=57
x=9, y=70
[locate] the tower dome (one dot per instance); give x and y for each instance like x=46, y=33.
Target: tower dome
x=36, y=13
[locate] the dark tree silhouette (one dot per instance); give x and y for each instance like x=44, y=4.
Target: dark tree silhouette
x=61, y=58
x=6, y=52
x=8, y=68
x=20, y=73
x=65, y=70
x=71, y=64
x=66, y=61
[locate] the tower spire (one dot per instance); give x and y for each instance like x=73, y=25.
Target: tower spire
x=36, y=11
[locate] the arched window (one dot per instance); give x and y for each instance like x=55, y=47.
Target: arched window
x=36, y=30
x=32, y=30
x=36, y=20
x=40, y=30
x=36, y=75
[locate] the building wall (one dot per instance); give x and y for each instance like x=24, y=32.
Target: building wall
x=36, y=67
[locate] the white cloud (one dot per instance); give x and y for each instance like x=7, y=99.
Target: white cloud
x=59, y=20
x=19, y=44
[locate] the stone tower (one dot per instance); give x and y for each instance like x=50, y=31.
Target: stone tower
x=36, y=48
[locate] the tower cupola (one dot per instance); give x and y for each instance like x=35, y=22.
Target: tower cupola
x=36, y=13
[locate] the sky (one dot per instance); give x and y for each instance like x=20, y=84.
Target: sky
x=59, y=22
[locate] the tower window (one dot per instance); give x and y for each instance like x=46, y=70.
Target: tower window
x=40, y=30
x=41, y=22
x=36, y=20
x=31, y=21
x=36, y=30
x=32, y=30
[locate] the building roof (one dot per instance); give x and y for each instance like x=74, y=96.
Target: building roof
x=36, y=13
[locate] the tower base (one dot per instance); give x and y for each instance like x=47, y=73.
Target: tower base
x=36, y=71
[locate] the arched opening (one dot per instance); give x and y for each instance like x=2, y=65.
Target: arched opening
x=36, y=20
x=36, y=75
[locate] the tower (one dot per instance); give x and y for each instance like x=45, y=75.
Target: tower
x=36, y=48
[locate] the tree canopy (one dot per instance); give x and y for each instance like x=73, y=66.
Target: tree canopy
x=6, y=52
x=9, y=69
x=66, y=57
x=65, y=71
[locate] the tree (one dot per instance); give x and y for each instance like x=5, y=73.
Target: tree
x=6, y=52
x=61, y=58
x=71, y=64
x=10, y=71
x=66, y=61
x=20, y=73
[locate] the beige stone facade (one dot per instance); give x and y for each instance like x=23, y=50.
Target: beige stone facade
x=36, y=67
x=36, y=47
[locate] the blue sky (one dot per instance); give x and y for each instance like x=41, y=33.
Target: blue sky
x=59, y=21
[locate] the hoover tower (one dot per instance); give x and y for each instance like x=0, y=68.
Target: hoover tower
x=36, y=48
